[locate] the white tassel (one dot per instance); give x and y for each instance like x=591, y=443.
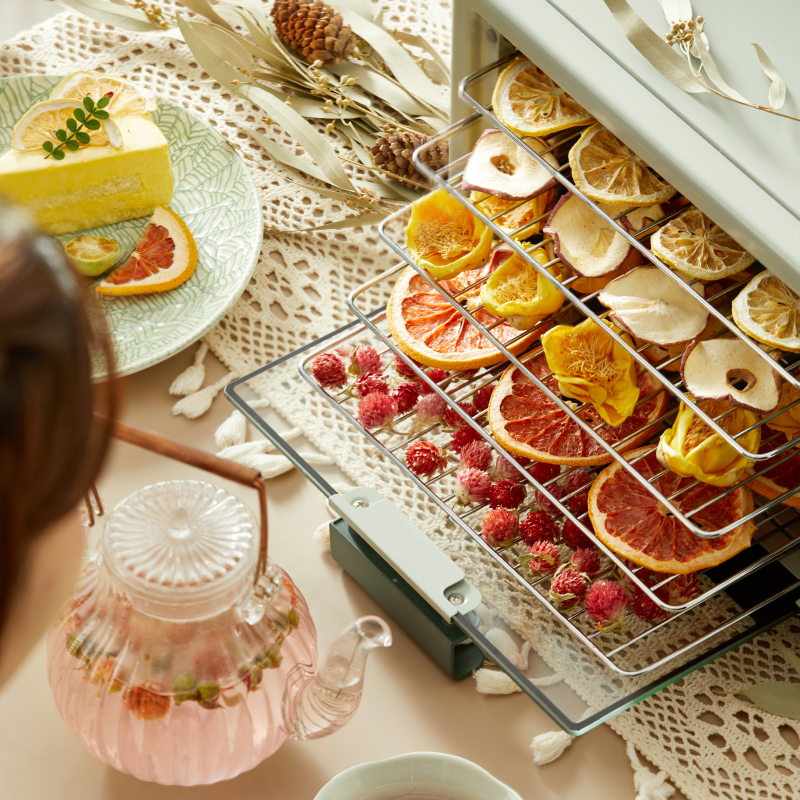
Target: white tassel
x=233, y=431
x=508, y=647
x=649, y=785
x=547, y=747
x=191, y=379
x=196, y=404
x=494, y=681
x=236, y=451
x=322, y=536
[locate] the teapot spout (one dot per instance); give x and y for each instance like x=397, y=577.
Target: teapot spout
x=330, y=698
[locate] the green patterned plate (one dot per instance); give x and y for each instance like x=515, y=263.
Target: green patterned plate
x=214, y=194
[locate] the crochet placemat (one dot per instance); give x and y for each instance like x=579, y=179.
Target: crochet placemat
x=708, y=744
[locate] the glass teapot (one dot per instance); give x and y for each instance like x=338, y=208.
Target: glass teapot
x=185, y=655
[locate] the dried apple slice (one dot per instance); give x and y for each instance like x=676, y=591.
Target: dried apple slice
x=654, y=308
x=712, y=369
x=502, y=168
x=587, y=244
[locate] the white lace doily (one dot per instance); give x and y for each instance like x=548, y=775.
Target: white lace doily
x=710, y=745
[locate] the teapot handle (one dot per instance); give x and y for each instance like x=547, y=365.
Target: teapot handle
x=230, y=470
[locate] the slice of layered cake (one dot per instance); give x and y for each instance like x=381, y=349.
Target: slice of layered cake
x=119, y=170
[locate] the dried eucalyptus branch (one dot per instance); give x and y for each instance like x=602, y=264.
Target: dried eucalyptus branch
x=361, y=81
x=692, y=68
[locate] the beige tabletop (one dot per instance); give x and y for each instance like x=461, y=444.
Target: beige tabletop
x=409, y=704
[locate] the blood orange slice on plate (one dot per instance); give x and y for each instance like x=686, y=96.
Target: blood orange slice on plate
x=427, y=328
x=780, y=478
x=528, y=423
x=165, y=257
x=632, y=523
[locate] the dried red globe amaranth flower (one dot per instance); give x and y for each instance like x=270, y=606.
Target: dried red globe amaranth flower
x=481, y=398
x=436, y=375
x=376, y=411
x=537, y=525
x=368, y=383
x=425, y=458
x=403, y=370
x=462, y=437
x=573, y=537
x=328, y=371
x=645, y=608
x=365, y=358
x=503, y=469
x=146, y=701
x=453, y=419
x=506, y=494
x=574, y=481
x=476, y=454
x=499, y=527
x=567, y=588
x=542, y=472
x=586, y=560
x=406, y=394
x=557, y=491
x=430, y=408
x=543, y=558
x=681, y=589
x=606, y=602
x=472, y=486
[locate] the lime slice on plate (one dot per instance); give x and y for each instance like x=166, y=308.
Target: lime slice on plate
x=92, y=255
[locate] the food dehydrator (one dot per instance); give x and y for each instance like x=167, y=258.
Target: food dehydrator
x=728, y=160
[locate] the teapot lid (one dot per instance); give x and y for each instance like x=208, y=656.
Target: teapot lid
x=181, y=549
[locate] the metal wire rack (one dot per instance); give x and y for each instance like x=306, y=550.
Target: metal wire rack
x=685, y=628
x=777, y=531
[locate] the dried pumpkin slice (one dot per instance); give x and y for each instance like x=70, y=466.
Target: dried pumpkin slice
x=692, y=449
x=530, y=103
x=517, y=292
x=444, y=237
x=769, y=311
x=654, y=308
x=698, y=247
x=608, y=171
x=593, y=368
x=521, y=219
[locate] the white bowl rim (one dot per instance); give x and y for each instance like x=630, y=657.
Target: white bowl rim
x=344, y=782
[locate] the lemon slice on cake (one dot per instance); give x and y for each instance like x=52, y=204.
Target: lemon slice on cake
x=531, y=104
x=769, y=311
x=41, y=122
x=126, y=97
x=165, y=257
x=608, y=171
x=698, y=247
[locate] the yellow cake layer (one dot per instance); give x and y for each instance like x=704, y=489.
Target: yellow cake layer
x=95, y=185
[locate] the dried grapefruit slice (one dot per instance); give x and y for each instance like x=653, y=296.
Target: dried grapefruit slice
x=165, y=257
x=631, y=522
x=426, y=327
x=529, y=102
x=780, y=478
x=526, y=422
x=769, y=311
x=608, y=171
x=698, y=247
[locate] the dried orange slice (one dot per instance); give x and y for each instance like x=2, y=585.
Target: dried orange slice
x=769, y=311
x=632, y=523
x=698, y=247
x=165, y=257
x=444, y=237
x=526, y=422
x=426, y=327
x=781, y=477
x=40, y=123
x=608, y=171
x=530, y=103
x=126, y=97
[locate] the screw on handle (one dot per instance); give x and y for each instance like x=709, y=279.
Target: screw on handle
x=200, y=459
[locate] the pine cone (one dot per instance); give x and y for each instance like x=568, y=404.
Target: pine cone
x=393, y=151
x=313, y=30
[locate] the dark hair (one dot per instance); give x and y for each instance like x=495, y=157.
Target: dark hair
x=51, y=443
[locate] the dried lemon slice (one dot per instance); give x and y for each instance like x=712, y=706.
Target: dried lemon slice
x=41, y=122
x=517, y=292
x=698, y=247
x=444, y=237
x=608, y=171
x=769, y=311
x=126, y=97
x=531, y=104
